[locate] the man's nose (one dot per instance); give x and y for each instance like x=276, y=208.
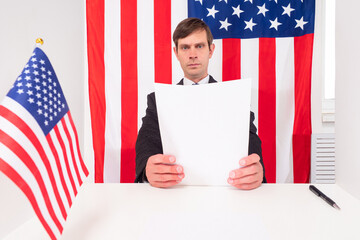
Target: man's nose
x=192, y=53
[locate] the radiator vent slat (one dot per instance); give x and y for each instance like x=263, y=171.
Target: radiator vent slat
x=325, y=139
x=323, y=158
x=318, y=164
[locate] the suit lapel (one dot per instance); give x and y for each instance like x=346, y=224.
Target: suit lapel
x=211, y=79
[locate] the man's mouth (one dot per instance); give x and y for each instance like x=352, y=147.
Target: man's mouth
x=193, y=65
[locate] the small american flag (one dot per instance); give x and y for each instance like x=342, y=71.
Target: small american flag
x=39, y=148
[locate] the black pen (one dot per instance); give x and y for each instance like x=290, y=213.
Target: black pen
x=323, y=196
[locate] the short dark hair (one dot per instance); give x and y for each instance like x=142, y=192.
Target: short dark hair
x=188, y=26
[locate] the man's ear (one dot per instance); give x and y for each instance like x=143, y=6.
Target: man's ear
x=212, y=48
x=176, y=53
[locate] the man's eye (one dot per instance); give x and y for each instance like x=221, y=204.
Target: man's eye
x=200, y=46
x=184, y=48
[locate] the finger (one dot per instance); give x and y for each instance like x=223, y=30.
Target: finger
x=251, y=159
x=166, y=177
x=245, y=180
x=248, y=186
x=162, y=168
x=245, y=171
x=164, y=184
x=162, y=159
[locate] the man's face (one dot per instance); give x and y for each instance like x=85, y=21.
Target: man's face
x=193, y=54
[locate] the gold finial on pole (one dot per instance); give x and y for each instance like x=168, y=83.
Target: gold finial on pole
x=39, y=41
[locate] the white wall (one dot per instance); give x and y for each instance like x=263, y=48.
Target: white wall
x=317, y=83
x=62, y=26
x=347, y=96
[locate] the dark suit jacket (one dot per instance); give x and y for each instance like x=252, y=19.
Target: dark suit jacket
x=148, y=142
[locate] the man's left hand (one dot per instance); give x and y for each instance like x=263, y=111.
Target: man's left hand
x=249, y=175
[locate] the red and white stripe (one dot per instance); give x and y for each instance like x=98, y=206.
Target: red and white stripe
x=48, y=169
x=130, y=48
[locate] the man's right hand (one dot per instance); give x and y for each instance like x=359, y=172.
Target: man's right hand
x=161, y=171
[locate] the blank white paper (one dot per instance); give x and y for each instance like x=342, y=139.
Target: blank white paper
x=206, y=127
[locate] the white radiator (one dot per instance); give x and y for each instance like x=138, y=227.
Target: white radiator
x=323, y=158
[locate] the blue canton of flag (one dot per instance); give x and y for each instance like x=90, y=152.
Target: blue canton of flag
x=255, y=18
x=38, y=90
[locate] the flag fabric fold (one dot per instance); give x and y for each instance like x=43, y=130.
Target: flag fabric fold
x=39, y=148
x=270, y=41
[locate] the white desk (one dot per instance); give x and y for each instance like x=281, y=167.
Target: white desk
x=132, y=211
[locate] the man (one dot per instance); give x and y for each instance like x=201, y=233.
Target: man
x=193, y=49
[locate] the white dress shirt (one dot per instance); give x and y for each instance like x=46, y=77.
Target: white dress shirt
x=205, y=80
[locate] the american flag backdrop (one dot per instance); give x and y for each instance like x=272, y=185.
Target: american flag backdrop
x=39, y=148
x=270, y=41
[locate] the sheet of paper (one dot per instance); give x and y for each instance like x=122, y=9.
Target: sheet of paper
x=206, y=127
